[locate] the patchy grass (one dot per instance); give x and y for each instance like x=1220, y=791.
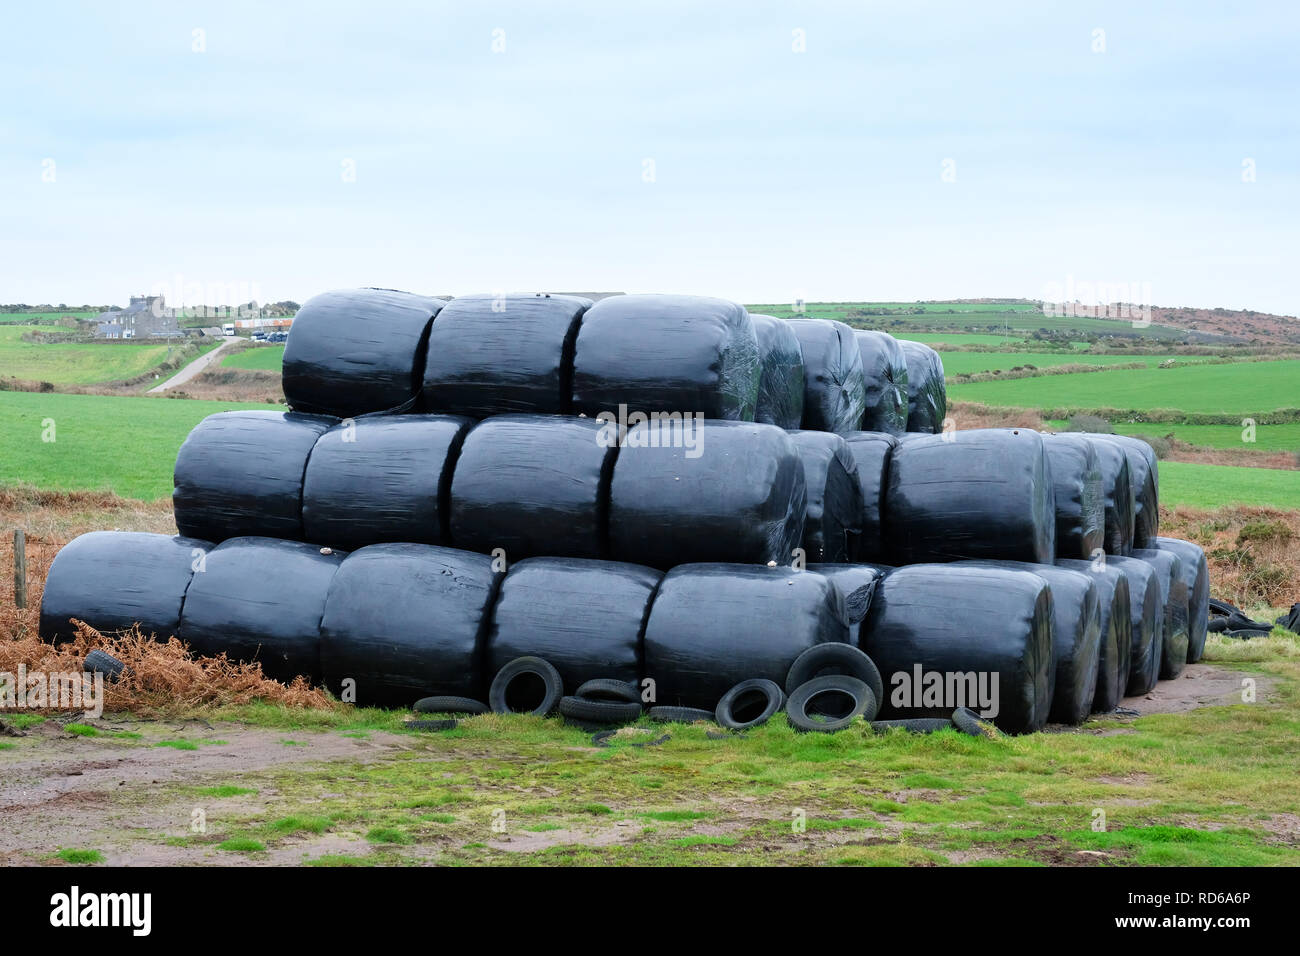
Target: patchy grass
x=225, y=790
x=241, y=845
x=178, y=744
x=81, y=730
x=80, y=856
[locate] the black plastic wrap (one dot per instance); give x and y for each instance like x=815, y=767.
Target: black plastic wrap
x=240, y=473
x=354, y=351
x=833, y=515
x=1116, y=493
x=713, y=625
x=871, y=453
x=780, y=383
x=856, y=585
x=963, y=619
x=834, y=389
x=1076, y=638
x=1116, y=630
x=533, y=485
x=584, y=617
x=884, y=370
x=742, y=498
x=1147, y=616
x=982, y=493
x=386, y=478
x=1174, y=595
x=114, y=579
x=493, y=355
x=1144, y=478
x=667, y=353
x=1077, y=493
x=405, y=621
x=1196, y=575
x=927, y=395
x=260, y=599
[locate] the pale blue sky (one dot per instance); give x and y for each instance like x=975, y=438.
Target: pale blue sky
x=777, y=174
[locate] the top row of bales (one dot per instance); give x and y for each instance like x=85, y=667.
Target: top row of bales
x=358, y=351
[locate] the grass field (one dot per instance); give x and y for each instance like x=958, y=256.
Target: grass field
x=962, y=363
x=25, y=318
x=260, y=357
x=1213, y=486
x=75, y=363
x=125, y=445
x=1246, y=389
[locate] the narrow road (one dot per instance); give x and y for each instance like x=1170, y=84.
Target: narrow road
x=189, y=371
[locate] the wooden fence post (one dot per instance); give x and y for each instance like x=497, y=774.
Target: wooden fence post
x=20, y=569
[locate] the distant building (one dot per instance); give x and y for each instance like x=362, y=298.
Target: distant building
x=146, y=317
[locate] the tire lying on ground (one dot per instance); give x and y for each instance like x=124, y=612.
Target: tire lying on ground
x=240, y=474
x=832, y=657
x=833, y=515
x=1076, y=639
x=828, y=704
x=405, y=621
x=497, y=354
x=856, y=585
x=667, y=353
x=1077, y=494
x=871, y=453
x=1147, y=617
x=584, y=617
x=261, y=599
x=750, y=703
x=1116, y=630
x=1196, y=576
x=834, y=390
x=927, y=396
x=526, y=685
x=1174, y=597
x=962, y=621
x=884, y=371
x=533, y=485
x=382, y=479
x=713, y=625
x=983, y=493
x=115, y=579
x=1116, y=493
x=1144, y=478
x=780, y=382
x=711, y=491
x=354, y=351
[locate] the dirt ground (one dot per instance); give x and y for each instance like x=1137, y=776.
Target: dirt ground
x=129, y=795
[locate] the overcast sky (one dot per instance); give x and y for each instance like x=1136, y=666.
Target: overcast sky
x=911, y=150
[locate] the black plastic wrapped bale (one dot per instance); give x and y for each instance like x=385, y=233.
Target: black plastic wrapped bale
x=1144, y=478
x=584, y=617
x=713, y=625
x=405, y=621
x=1196, y=575
x=780, y=383
x=260, y=600
x=354, y=351
x=386, y=478
x=737, y=493
x=1147, y=614
x=969, y=624
x=927, y=395
x=834, y=389
x=240, y=473
x=497, y=354
x=533, y=485
x=833, y=515
x=856, y=585
x=983, y=493
x=667, y=353
x=871, y=453
x=115, y=579
x=1116, y=630
x=884, y=371
x=1174, y=595
x=1116, y=493
x=1077, y=493
x=1076, y=638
